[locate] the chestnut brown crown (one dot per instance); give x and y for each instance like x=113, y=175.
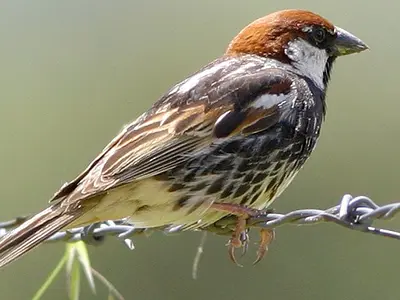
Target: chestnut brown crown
x=269, y=35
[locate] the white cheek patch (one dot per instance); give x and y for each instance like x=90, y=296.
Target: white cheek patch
x=308, y=60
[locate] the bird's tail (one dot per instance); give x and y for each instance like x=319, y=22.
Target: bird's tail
x=33, y=232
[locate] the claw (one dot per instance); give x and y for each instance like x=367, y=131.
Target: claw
x=237, y=240
x=267, y=236
x=231, y=252
x=240, y=233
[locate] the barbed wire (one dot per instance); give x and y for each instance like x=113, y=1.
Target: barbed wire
x=356, y=213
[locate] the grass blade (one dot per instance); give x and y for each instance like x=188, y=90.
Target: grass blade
x=109, y=285
x=83, y=257
x=73, y=272
x=50, y=278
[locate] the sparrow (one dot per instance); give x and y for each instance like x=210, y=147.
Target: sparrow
x=225, y=141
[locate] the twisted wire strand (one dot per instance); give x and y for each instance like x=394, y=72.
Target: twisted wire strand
x=356, y=213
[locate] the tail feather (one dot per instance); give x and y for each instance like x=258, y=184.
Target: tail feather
x=33, y=232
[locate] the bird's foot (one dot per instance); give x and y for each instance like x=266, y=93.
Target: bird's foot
x=240, y=238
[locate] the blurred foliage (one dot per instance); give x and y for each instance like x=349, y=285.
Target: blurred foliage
x=76, y=260
x=74, y=72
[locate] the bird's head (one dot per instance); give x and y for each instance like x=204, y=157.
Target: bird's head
x=302, y=39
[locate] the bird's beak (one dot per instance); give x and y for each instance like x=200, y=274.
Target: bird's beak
x=346, y=43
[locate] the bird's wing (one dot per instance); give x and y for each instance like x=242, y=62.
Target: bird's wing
x=220, y=101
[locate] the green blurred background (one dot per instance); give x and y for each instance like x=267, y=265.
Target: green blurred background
x=73, y=72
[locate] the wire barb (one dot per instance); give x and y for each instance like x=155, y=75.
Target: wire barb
x=356, y=213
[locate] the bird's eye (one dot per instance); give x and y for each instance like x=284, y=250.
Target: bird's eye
x=319, y=35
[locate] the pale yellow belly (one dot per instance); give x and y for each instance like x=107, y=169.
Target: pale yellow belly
x=148, y=203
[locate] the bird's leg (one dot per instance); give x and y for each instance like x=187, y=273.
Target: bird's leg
x=239, y=236
x=266, y=237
